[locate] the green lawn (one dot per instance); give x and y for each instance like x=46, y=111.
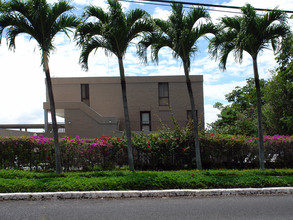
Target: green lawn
x=28, y=181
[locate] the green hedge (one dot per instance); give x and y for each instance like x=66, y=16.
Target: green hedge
x=25, y=181
x=165, y=150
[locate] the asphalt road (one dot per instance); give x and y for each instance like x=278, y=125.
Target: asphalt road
x=240, y=207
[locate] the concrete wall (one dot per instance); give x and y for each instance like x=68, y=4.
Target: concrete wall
x=142, y=93
x=9, y=133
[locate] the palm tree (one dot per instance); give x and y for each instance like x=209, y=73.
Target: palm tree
x=41, y=21
x=251, y=33
x=180, y=33
x=112, y=31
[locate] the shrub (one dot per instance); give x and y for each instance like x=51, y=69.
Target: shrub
x=166, y=150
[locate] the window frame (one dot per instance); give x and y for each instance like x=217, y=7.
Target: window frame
x=145, y=124
x=85, y=93
x=163, y=97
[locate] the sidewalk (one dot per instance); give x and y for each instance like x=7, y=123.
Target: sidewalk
x=147, y=193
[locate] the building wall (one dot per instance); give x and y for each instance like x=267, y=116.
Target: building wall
x=78, y=120
x=142, y=94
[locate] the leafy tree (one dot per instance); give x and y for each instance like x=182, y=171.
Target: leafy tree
x=251, y=33
x=180, y=33
x=239, y=117
x=279, y=92
x=41, y=21
x=285, y=54
x=112, y=31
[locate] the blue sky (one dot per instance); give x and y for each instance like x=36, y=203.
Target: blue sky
x=22, y=81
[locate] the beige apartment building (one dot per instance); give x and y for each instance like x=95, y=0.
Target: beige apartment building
x=92, y=106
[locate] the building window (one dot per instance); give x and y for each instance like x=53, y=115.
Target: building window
x=85, y=94
x=145, y=121
x=163, y=94
x=189, y=115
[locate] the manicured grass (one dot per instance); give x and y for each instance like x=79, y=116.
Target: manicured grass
x=28, y=181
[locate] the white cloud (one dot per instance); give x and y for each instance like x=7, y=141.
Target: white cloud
x=210, y=114
x=101, y=3
x=216, y=93
x=161, y=13
x=281, y=4
x=22, y=84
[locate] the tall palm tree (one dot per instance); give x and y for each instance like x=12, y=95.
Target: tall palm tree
x=251, y=33
x=112, y=31
x=180, y=33
x=41, y=21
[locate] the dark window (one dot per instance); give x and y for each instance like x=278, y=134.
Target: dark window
x=189, y=115
x=85, y=94
x=145, y=121
x=163, y=94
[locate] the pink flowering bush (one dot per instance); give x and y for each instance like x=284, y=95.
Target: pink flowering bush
x=167, y=149
x=88, y=153
x=37, y=152
x=278, y=150
x=174, y=149
x=25, y=152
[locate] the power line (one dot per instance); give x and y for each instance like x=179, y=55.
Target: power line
x=168, y=5
x=206, y=5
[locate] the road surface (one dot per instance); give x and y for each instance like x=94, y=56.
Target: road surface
x=237, y=207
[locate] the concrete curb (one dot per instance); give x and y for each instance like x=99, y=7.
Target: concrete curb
x=146, y=193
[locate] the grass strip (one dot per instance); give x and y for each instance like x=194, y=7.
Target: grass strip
x=30, y=181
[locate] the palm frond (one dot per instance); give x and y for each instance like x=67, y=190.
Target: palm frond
x=11, y=35
x=147, y=41
x=156, y=47
x=64, y=24
x=274, y=32
x=275, y=15
x=96, y=12
x=87, y=30
x=5, y=21
x=3, y=7
x=93, y=44
x=231, y=23
x=143, y=45
x=177, y=14
x=141, y=26
x=194, y=15
x=204, y=29
x=224, y=53
x=18, y=25
x=135, y=15
x=248, y=11
x=163, y=26
x=59, y=8
x=221, y=45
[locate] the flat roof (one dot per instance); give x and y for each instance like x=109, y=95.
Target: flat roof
x=129, y=79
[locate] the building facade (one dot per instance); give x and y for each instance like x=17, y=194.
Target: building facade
x=92, y=106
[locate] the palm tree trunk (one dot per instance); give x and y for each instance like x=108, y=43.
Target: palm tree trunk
x=126, y=115
x=194, y=116
x=53, y=113
x=259, y=116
